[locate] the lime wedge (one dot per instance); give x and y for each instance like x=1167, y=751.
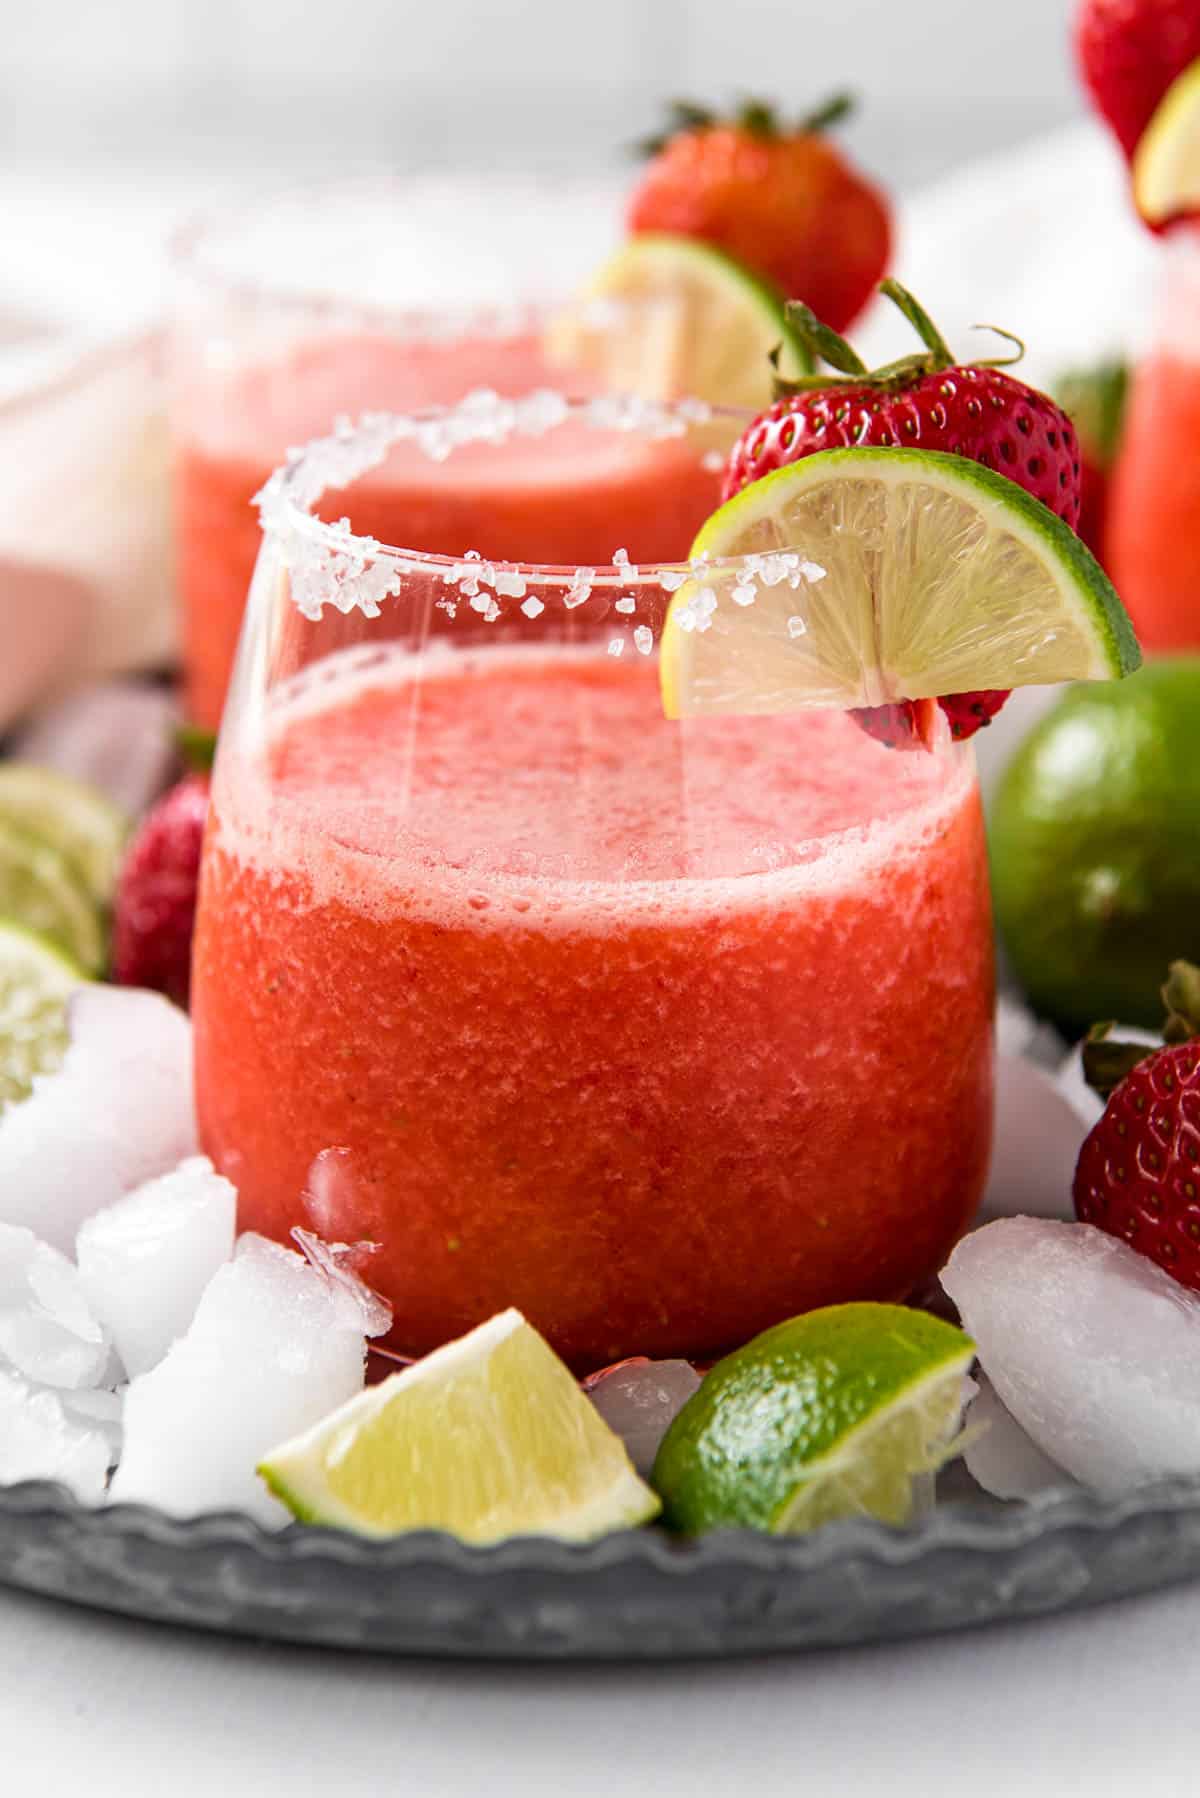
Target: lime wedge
x=1166, y=163
x=41, y=889
x=833, y=1414
x=487, y=1437
x=73, y=818
x=884, y=574
x=670, y=318
x=35, y=982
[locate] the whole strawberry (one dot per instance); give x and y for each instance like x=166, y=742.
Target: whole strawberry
x=1138, y=1175
x=155, y=908
x=1129, y=52
x=929, y=401
x=782, y=199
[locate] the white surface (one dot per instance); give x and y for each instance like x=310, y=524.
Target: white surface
x=1094, y=1704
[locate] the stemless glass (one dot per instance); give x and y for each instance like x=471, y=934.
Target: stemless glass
x=381, y=294
x=661, y=1031
x=1153, y=533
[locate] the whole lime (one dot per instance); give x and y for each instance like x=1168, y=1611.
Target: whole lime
x=1095, y=847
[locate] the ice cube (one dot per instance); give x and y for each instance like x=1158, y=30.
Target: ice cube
x=639, y=1399
x=40, y=1440
x=145, y=1260
x=1093, y=1349
x=1075, y=1089
x=340, y=1264
x=117, y=1113
x=1037, y=1141
x=267, y=1355
x=47, y=1331
x=1003, y=1459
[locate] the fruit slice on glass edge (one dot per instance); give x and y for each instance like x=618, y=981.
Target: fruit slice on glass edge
x=1166, y=164
x=669, y=318
x=76, y=820
x=488, y=1437
x=885, y=575
x=36, y=980
x=833, y=1414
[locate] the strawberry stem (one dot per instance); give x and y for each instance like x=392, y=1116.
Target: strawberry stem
x=836, y=108
x=1001, y=361
x=822, y=342
x=1107, y=1060
x=921, y=323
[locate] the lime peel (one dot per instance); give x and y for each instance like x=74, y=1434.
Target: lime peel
x=829, y=1415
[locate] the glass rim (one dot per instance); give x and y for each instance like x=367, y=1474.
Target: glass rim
x=355, y=447
x=193, y=255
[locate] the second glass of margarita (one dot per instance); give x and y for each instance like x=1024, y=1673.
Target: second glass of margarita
x=659, y=1031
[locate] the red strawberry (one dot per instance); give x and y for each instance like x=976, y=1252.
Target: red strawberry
x=1129, y=52
x=155, y=906
x=927, y=400
x=782, y=200
x=1138, y=1175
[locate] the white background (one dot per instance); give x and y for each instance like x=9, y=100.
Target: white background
x=290, y=82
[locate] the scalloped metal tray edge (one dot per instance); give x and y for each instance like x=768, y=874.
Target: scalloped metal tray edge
x=634, y=1596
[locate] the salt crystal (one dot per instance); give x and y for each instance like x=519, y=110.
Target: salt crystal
x=796, y=627
x=615, y=646
x=268, y=1354
x=626, y=604
x=672, y=579
x=643, y=638
x=640, y=1399
x=48, y=1332
x=744, y=594
x=40, y=1440
x=509, y=583
x=532, y=607
x=145, y=1260
x=117, y=1113
x=1091, y=1347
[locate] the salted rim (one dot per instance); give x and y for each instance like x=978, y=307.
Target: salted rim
x=330, y=564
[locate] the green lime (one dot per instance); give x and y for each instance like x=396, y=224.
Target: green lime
x=885, y=574
x=42, y=889
x=830, y=1415
x=1095, y=848
x=488, y=1437
x=670, y=318
x=35, y=983
x=71, y=817
x=1166, y=163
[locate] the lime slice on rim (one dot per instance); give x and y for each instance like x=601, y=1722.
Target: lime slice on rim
x=830, y=1415
x=73, y=818
x=35, y=982
x=670, y=318
x=884, y=574
x=1166, y=163
x=488, y=1437
x=41, y=889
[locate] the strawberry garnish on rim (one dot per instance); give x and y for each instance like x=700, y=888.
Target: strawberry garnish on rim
x=1138, y=1174
x=926, y=400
